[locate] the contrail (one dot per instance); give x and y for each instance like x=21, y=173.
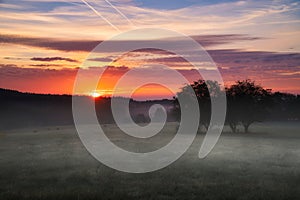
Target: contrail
x=123, y=15
x=97, y=13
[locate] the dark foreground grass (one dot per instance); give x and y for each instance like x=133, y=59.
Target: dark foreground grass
x=51, y=163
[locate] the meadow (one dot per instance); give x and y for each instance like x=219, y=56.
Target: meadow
x=51, y=163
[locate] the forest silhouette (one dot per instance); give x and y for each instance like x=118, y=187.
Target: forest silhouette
x=247, y=102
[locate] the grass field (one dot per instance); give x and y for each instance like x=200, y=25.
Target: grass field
x=51, y=163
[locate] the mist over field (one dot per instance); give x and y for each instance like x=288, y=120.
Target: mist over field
x=52, y=163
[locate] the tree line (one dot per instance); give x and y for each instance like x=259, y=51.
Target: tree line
x=247, y=102
x=21, y=110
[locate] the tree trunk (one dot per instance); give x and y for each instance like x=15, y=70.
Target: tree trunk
x=233, y=127
x=246, y=127
x=177, y=126
x=206, y=126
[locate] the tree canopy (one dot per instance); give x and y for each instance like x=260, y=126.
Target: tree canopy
x=247, y=102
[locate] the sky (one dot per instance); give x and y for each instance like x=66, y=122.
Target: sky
x=44, y=43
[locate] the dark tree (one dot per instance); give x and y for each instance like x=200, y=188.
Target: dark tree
x=294, y=108
x=286, y=106
x=232, y=115
x=204, y=91
x=175, y=112
x=247, y=103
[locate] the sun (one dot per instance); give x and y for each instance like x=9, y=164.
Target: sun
x=95, y=94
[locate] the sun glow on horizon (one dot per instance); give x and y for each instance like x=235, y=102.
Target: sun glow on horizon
x=96, y=94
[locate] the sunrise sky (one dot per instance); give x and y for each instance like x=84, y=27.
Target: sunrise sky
x=44, y=42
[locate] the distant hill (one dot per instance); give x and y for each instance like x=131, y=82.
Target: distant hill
x=20, y=110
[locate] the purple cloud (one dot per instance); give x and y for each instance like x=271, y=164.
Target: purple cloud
x=102, y=59
x=50, y=43
x=50, y=59
x=88, y=45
